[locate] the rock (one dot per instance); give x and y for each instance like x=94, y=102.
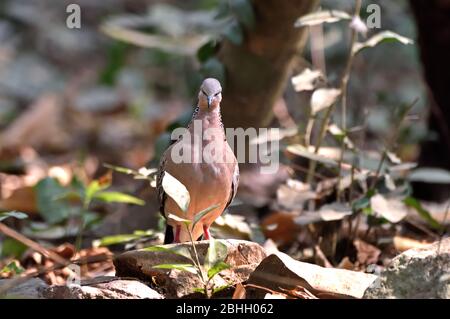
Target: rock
x=103, y=288
x=30, y=289
x=242, y=256
x=417, y=273
x=279, y=272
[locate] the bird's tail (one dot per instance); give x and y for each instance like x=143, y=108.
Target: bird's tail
x=168, y=237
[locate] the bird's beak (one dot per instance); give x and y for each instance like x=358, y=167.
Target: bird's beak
x=209, y=101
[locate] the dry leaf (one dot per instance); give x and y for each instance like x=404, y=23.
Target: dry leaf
x=366, y=253
x=402, y=244
x=22, y=199
x=280, y=227
x=394, y=210
x=281, y=271
x=40, y=127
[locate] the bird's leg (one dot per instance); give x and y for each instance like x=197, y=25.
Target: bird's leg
x=177, y=233
x=206, y=233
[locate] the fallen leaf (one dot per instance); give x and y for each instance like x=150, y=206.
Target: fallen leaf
x=280, y=227
x=279, y=271
x=366, y=253
x=41, y=126
x=393, y=210
x=294, y=194
x=402, y=244
x=430, y=175
x=22, y=199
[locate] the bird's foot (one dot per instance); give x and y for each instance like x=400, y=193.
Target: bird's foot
x=206, y=233
x=177, y=234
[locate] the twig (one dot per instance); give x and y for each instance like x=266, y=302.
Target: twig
x=344, y=87
x=322, y=257
x=19, y=280
x=32, y=244
x=344, y=82
x=391, y=142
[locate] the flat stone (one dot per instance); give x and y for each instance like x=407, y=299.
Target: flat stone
x=417, y=273
x=33, y=288
x=242, y=256
x=103, y=288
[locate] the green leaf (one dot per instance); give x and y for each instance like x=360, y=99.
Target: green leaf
x=361, y=203
x=116, y=60
x=326, y=16
x=217, y=268
x=177, y=191
x=203, y=213
x=385, y=36
x=233, y=32
x=13, y=267
x=414, y=203
x=53, y=211
x=206, y=51
x=14, y=214
x=181, y=251
x=243, y=10
x=121, y=169
x=12, y=248
x=93, y=188
x=430, y=175
x=122, y=238
x=218, y=289
x=117, y=197
x=217, y=251
x=90, y=218
x=114, y=240
x=223, y=10
x=178, y=219
x=184, y=267
x=200, y=290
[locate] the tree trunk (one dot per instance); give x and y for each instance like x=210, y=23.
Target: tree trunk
x=257, y=70
x=433, y=26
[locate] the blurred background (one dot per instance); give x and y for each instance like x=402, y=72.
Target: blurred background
x=111, y=91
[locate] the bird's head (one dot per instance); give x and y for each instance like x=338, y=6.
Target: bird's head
x=210, y=94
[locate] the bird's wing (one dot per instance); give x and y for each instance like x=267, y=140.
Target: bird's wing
x=159, y=188
x=161, y=169
x=234, y=184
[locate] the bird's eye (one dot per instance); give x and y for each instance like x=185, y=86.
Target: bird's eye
x=217, y=93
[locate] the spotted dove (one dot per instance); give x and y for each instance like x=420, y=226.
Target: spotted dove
x=211, y=180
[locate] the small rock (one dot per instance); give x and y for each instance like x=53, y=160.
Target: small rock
x=417, y=273
x=103, y=288
x=30, y=289
x=242, y=256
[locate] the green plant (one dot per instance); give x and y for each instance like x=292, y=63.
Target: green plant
x=375, y=186
x=217, y=251
x=58, y=203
